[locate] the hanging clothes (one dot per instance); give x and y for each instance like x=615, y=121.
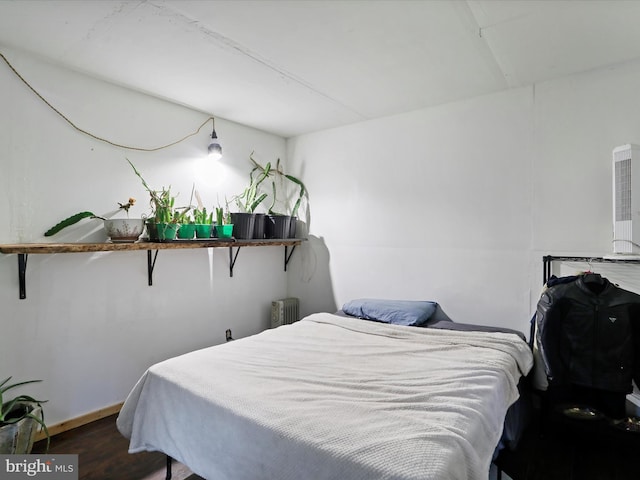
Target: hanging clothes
x=587, y=333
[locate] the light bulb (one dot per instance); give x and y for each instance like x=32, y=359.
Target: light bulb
x=215, y=149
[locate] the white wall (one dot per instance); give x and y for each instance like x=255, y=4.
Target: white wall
x=456, y=204
x=90, y=324
x=459, y=203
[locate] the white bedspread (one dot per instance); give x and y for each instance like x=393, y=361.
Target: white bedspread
x=332, y=398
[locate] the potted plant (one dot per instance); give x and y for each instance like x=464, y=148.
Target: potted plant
x=119, y=230
x=203, y=222
x=303, y=195
x=187, y=228
x=20, y=418
x=124, y=230
x=166, y=217
x=223, y=227
x=165, y=221
x=247, y=202
x=282, y=225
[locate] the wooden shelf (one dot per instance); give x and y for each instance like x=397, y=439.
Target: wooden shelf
x=23, y=250
x=47, y=248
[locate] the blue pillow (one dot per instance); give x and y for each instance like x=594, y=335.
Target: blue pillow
x=397, y=312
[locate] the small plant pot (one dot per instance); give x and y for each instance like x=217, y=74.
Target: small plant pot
x=243, y=225
x=123, y=230
x=152, y=231
x=224, y=231
x=203, y=230
x=18, y=438
x=292, y=227
x=258, y=226
x=167, y=231
x=187, y=231
x=278, y=226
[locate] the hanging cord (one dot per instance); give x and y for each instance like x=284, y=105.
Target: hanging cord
x=625, y=240
x=91, y=134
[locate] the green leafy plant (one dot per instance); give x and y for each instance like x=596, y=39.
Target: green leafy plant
x=202, y=217
x=222, y=218
x=162, y=202
x=67, y=222
x=302, y=194
x=20, y=407
x=251, y=197
x=278, y=175
x=223, y=215
x=185, y=218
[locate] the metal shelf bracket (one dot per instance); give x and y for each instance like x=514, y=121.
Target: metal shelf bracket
x=151, y=264
x=287, y=257
x=22, y=274
x=232, y=259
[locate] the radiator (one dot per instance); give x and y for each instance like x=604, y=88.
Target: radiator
x=284, y=312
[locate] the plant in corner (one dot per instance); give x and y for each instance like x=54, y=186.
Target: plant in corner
x=19, y=419
x=248, y=201
x=251, y=197
x=277, y=225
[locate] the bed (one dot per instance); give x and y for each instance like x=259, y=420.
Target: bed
x=332, y=397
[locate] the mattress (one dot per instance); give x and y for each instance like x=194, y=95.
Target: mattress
x=332, y=397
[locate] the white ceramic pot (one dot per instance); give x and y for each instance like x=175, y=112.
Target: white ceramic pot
x=18, y=438
x=124, y=230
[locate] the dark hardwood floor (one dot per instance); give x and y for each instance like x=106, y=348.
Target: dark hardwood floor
x=102, y=455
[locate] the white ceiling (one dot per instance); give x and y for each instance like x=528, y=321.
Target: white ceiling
x=292, y=67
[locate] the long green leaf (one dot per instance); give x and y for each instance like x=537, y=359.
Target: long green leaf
x=273, y=191
x=301, y=194
x=13, y=385
x=43, y=425
x=255, y=204
x=68, y=222
x=296, y=181
x=8, y=406
x=144, y=183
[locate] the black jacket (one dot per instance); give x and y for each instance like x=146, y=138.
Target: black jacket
x=588, y=333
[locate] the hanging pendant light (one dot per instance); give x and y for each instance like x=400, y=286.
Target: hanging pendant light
x=215, y=149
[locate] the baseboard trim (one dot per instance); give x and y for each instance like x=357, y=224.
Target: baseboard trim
x=80, y=421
